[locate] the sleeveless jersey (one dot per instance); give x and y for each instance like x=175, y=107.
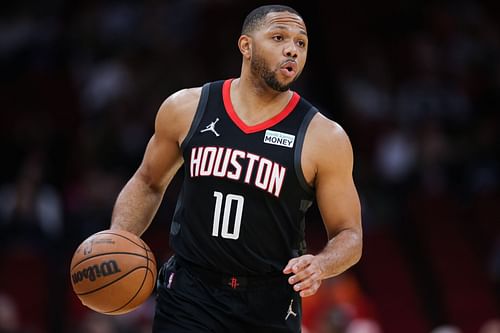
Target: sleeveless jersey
x=242, y=203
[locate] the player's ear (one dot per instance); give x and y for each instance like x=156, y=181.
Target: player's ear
x=245, y=46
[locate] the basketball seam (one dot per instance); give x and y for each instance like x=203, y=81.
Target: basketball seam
x=108, y=253
x=130, y=240
x=136, y=293
x=110, y=283
x=152, y=254
x=145, y=246
x=118, y=312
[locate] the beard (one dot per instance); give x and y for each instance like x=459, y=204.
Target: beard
x=260, y=69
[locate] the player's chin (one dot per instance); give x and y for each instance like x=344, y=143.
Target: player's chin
x=284, y=83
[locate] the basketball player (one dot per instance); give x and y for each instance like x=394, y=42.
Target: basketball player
x=255, y=155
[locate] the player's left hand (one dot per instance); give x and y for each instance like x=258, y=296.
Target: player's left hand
x=306, y=277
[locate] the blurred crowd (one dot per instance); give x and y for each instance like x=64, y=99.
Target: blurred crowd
x=416, y=85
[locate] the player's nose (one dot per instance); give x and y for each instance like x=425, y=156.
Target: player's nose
x=290, y=50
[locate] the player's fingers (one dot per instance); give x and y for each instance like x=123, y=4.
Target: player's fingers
x=297, y=264
x=301, y=263
x=306, y=282
x=305, y=292
x=288, y=267
x=301, y=275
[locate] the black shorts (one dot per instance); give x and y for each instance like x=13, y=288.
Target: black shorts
x=190, y=299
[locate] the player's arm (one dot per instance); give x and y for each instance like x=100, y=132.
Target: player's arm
x=339, y=205
x=140, y=198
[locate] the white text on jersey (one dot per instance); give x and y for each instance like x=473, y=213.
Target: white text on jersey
x=228, y=163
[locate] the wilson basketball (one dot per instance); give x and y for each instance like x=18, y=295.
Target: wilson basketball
x=113, y=272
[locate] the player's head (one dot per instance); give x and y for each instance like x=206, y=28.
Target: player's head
x=274, y=42
x=256, y=17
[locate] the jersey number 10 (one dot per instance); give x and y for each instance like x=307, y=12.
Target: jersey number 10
x=226, y=215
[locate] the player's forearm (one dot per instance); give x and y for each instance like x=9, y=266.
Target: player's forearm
x=340, y=253
x=136, y=206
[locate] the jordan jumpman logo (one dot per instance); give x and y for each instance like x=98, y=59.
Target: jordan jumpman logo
x=211, y=127
x=290, y=311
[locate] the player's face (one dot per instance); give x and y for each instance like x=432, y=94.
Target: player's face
x=279, y=50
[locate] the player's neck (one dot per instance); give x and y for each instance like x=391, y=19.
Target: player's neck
x=255, y=102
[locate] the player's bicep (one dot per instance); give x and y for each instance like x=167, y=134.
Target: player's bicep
x=336, y=192
x=162, y=157
x=339, y=205
x=161, y=161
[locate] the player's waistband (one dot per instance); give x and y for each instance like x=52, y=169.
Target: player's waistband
x=234, y=282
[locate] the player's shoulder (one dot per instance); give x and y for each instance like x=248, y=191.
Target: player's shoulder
x=181, y=100
x=323, y=129
x=326, y=132
x=326, y=147
x=180, y=105
x=177, y=111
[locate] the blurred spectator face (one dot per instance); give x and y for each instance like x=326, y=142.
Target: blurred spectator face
x=446, y=329
x=363, y=326
x=8, y=315
x=97, y=323
x=491, y=326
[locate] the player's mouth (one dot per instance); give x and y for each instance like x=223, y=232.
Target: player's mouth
x=289, y=68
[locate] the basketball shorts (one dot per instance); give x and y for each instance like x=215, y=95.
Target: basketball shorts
x=191, y=299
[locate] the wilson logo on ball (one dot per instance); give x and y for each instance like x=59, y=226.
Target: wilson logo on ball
x=96, y=271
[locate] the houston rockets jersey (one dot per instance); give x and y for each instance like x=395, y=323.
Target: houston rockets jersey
x=243, y=199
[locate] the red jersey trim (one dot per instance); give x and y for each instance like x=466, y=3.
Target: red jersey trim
x=226, y=97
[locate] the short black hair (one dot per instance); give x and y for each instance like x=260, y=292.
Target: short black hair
x=255, y=18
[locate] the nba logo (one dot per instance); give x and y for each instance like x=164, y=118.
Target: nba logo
x=88, y=248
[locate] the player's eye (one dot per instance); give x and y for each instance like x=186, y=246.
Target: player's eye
x=301, y=43
x=278, y=38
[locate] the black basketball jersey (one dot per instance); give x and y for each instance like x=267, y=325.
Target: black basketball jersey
x=243, y=200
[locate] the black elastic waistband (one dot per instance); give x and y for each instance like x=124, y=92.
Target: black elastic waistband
x=235, y=282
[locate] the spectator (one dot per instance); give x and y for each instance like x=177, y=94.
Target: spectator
x=363, y=326
x=491, y=326
x=9, y=318
x=446, y=329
